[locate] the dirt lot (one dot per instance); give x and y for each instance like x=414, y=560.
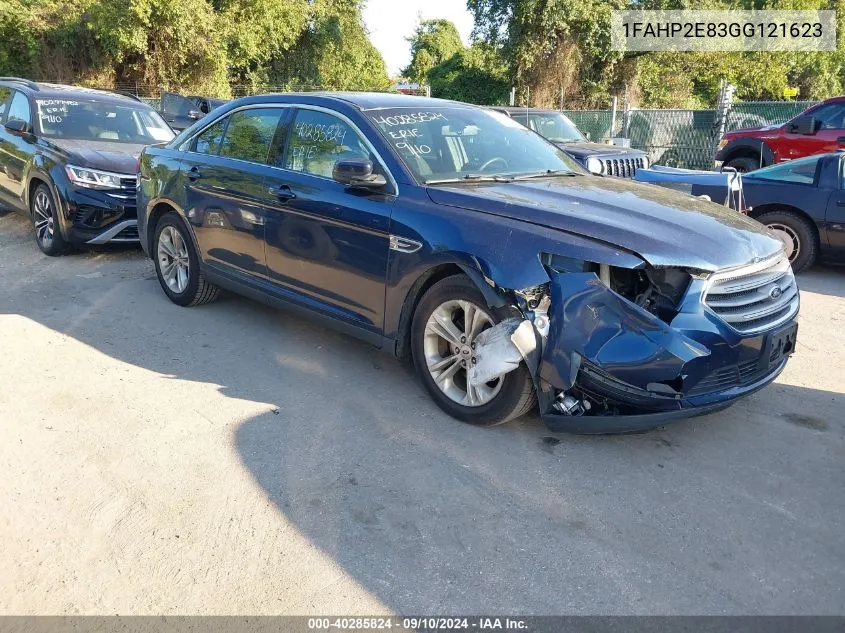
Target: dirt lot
x=235, y=459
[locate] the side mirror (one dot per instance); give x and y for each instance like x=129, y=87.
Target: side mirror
x=196, y=115
x=805, y=125
x=357, y=172
x=16, y=126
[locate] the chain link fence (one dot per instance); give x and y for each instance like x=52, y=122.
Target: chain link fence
x=681, y=138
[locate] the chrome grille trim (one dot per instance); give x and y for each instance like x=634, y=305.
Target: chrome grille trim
x=622, y=167
x=754, y=298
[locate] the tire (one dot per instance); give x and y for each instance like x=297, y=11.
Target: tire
x=743, y=164
x=791, y=227
x=177, y=264
x=509, y=397
x=45, y=216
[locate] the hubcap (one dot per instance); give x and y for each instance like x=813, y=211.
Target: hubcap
x=43, y=219
x=449, y=348
x=173, y=260
x=790, y=239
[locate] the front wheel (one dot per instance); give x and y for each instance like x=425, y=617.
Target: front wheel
x=446, y=322
x=177, y=264
x=48, y=235
x=744, y=164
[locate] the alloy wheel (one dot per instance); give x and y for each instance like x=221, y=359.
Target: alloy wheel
x=173, y=259
x=449, y=349
x=790, y=239
x=44, y=223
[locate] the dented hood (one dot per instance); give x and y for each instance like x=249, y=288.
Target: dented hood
x=664, y=227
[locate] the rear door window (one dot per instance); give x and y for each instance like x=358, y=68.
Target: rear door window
x=249, y=135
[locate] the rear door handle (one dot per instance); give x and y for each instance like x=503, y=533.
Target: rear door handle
x=282, y=192
x=194, y=173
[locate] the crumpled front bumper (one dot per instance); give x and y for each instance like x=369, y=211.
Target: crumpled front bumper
x=646, y=372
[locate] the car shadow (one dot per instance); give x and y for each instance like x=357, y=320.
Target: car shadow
x=433, y=516
x=824, y=279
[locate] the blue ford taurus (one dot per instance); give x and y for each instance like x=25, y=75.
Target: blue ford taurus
x=454, y=236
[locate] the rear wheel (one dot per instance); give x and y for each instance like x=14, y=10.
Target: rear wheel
x=48, y=235
x=744, y=164
x=799, y=237
x=448, y=318
x=177, y=264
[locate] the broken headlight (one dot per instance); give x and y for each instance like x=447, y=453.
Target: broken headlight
x=657, y=290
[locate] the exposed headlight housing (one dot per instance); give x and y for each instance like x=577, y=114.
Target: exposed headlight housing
x=94, y=178
x=645, y=162
x=595, y=165
x=722, y=143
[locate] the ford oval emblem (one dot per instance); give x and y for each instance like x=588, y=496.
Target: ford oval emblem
x=776, y=292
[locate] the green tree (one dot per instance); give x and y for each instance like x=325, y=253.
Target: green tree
x=19, y=47
x=334, y=52
x=477, y=74
x=164, y=42
x=433, y=42
x=259, y=31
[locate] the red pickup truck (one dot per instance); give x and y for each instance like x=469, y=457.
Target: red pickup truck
x=817, y=130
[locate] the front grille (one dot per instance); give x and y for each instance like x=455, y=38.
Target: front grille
x=756, y=297
x=623, y=167
x=127, y=190
x=736, y=375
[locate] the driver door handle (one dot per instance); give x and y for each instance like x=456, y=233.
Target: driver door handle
x=283, y=192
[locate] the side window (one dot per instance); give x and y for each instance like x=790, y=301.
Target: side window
x=250, y=134
x=5, y=93
x=318, y=140
x=209, y=141
x=19, y=109
x=831, y=116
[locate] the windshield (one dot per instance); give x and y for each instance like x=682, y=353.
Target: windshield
x=101, y=121
x=454, y=143
x=802, y=171
x=551, y=125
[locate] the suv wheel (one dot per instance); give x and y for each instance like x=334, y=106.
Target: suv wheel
x=797, y=234
x=449, y=316
x=48, y=235
x=177, y=264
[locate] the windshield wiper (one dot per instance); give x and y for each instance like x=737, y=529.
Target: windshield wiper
x=471, y=178
x=547, y=173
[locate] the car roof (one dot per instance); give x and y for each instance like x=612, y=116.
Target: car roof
x=359, y=100
x=520, y=109
x=43, y=90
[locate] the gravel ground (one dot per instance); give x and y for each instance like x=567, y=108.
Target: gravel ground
x=235, y=459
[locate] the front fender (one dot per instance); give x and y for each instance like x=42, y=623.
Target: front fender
x=742, y=146
x=499, y=254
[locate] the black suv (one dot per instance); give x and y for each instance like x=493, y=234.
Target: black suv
x=68, y=158
x=607, y=160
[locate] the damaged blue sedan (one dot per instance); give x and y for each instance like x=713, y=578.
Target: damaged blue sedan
x=455, y=237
